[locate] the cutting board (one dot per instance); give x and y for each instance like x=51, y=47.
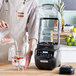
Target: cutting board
x=8, y=70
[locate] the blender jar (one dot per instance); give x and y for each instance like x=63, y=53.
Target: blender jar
x=49, y=23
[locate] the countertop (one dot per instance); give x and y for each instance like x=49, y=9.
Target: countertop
x=7, y=70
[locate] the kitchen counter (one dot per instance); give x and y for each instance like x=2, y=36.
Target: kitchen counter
x=7, y=70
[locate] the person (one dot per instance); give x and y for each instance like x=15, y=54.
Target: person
x=21, y=18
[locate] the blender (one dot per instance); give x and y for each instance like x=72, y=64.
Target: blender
x=47, y=53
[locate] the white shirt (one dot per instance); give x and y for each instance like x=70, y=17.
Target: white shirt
x=32, y=26
x=19, y=26
x=1, y=3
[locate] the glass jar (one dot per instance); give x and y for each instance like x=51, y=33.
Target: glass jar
x=18, y=57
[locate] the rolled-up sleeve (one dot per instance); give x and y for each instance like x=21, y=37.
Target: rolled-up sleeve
x=33, y=24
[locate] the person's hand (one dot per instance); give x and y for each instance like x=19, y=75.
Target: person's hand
x=28, y=59
x=3, y=24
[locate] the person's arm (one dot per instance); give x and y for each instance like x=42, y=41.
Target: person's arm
x=30, y=52
x=3, y=24
x=32, y=28
x=32, y=44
